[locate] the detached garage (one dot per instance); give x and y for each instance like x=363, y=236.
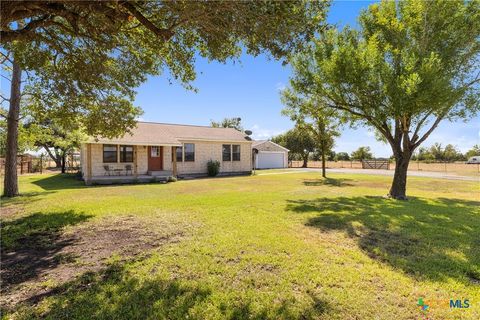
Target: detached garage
x=269, y=155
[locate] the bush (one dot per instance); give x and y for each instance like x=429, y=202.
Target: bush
x=172, y=179
x=213, y=167
x=38, y=165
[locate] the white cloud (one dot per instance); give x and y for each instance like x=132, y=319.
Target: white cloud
x=259, y=133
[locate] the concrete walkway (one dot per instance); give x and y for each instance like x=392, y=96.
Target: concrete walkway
x=411, y=173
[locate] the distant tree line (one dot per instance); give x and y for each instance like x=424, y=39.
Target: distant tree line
x=449, y=153
x=235, y=123
x=304, y=147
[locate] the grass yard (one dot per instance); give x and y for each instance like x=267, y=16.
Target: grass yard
x=279, y=246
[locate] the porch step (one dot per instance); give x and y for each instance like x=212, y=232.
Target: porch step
x=163, y=173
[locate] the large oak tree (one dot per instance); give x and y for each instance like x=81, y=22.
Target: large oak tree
x=83, y=59
x=410, y=65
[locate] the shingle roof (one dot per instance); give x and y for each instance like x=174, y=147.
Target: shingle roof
x=259, y=142
x=151, y=133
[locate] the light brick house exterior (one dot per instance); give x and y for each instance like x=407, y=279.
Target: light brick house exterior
x=147, y=151
x=269, y=148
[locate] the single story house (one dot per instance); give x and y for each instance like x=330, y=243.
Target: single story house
x=162, y=150
x=269, y=155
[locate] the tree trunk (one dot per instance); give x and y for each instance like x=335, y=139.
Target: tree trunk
x=10, y=184
x=63, y=157
x=305, y=161
x=399, y=183
x=324, y=171
x=56, y=157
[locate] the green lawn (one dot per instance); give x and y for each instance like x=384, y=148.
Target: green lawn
x=286, y=246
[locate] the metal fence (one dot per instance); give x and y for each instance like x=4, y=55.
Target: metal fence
x=39, y=164
x=460, y=168
x=25, y=164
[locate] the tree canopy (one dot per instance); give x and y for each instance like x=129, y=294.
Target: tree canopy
x=235, y=123
x=323, y=124
x=26, y=138
x=362, y=153
x=437, y=152
x=475, y=151
x=300, y=141
x=93, y=54
x=342, y=156
x=410, y=65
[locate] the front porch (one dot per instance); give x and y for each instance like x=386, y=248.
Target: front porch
x=154, y=176
x=117, y=164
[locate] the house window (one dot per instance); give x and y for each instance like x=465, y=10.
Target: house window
x=189, y=152
x=154, y=152
x=177, y=153
x=236, y=152
x=126, y=153
x=227, y=152
x=109, y=153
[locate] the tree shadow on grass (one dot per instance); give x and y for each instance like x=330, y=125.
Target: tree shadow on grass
x=285, y=310
x=427, y=238
x=118, y=292
x=9, y=205
x=30, y=245
x=338, y=182
x=60, y=182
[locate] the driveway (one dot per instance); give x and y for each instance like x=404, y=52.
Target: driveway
x=428, y=174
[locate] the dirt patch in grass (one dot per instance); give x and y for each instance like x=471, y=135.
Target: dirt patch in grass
x=8, y=212
x=37, y=265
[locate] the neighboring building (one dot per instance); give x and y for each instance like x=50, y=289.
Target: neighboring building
x=147, y=153
x=270, y=155
x=473, y=160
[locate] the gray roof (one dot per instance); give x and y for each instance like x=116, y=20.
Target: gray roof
x=152, y=133
x=259, y=142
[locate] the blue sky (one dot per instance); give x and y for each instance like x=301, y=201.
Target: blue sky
x=250, y=90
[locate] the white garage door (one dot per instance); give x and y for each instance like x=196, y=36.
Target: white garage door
x=270, y=160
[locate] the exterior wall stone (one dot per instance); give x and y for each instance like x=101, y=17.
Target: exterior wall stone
x=167, y=158
x=269, y=146
x=97, y=160
x=204, y=151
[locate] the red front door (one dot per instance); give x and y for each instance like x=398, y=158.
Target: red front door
x=155, y=158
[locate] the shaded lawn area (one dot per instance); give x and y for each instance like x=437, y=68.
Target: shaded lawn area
x=287, y=246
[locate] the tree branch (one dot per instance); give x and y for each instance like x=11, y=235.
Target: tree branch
x=419, y=125
x=5, y=58
x=388, y=133
x=434, y=125
x=165, y=34
x=477, y=79
x=361, y=115
x=5, y=77
x=4, y=113
x=4, y=99
x=48, y=151
x=7, y=36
